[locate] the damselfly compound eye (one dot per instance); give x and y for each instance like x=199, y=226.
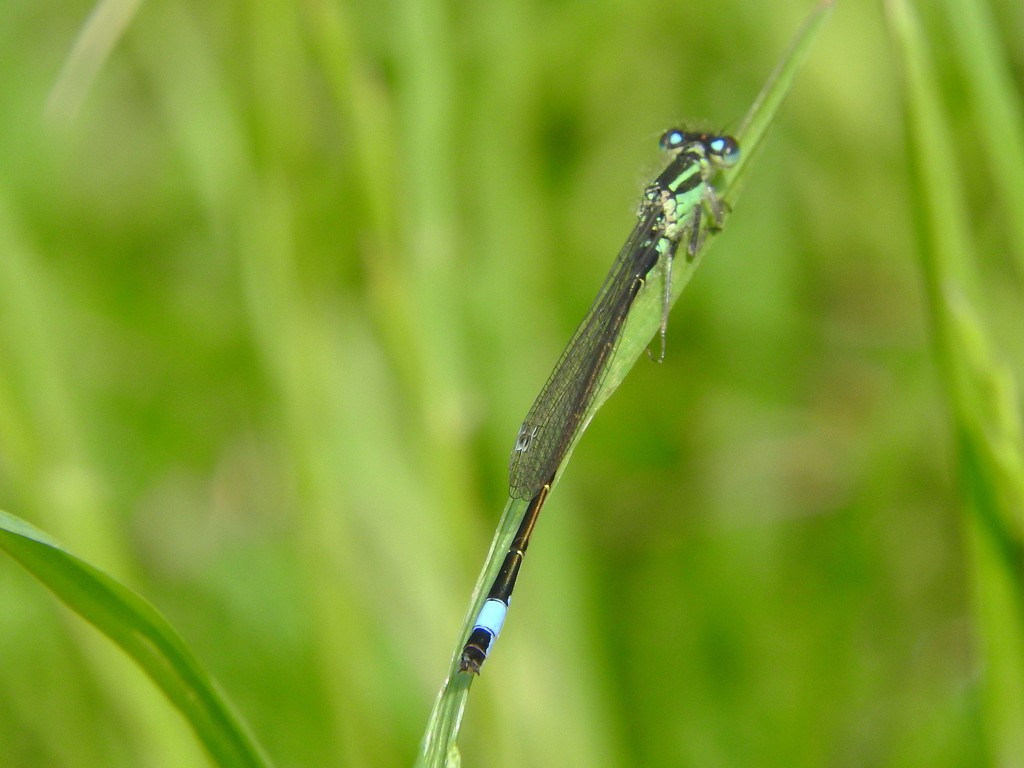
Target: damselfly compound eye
x=672, y=139
x=725, y=149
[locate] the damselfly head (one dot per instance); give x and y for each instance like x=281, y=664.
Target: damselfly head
x=722, y=150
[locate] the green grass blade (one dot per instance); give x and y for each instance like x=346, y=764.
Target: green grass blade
x=989, y=419
x=940, y=209
x=141, y=632
x=438, y=747
x=991, y=448
x=982, y=394
x=948, y=262
x=754, y=128
x=997, y=109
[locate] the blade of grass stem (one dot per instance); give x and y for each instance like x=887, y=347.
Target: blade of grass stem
x=982, y=397
x=439, y=745
x=142, y=633
x=997, y=111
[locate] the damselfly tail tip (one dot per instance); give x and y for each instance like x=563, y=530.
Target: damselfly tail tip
x=469, y=664
x=474, y=652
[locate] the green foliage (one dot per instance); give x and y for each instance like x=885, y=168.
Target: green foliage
x=141, y=632
x=983, y=394
x=279, y=281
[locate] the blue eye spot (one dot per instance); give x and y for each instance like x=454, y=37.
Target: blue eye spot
x=672, y=139
x=725, y=149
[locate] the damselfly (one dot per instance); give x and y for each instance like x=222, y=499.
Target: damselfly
x=673, y=208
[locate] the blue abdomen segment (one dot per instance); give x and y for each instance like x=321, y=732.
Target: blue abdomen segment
x=485, y=631
x=492, y=616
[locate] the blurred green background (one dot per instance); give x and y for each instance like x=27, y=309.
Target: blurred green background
x=278, y=282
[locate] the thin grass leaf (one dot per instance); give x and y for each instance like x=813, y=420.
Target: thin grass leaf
x=997, y=109
x=982, y=396
x=946, y=245
x=100, y=34
x=763, y=111
x=947, y=252
x=439, y=745
x=142, y=633
x=991, y=452
x=989, y=398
